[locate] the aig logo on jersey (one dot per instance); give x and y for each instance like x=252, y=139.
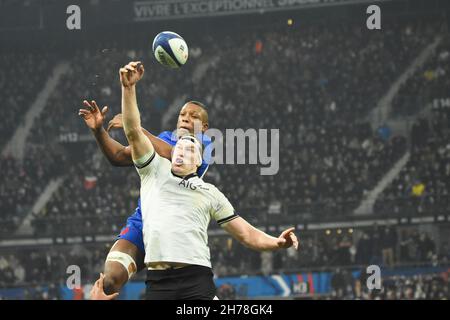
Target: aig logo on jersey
x=187, y=184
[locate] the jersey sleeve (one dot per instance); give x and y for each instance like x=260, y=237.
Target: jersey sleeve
x=167, y=137
x=222, y=210
x=148, y=164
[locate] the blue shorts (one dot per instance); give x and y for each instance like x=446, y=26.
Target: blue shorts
x=133, y=230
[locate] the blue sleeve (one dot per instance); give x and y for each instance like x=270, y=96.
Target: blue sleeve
x=168, y=137
x=138, y=209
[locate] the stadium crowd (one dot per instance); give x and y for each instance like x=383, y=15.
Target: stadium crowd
x=335, y=160
x=320, y=250
x=429, y=82
x=423, y=185
x=432, y=286
x=18, y=92
x=24, y=182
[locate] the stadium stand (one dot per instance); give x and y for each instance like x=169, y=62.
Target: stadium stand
x=335, y=162
x=20, y=91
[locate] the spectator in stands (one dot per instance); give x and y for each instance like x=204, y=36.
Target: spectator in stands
x=388, y=245
x=364, y=249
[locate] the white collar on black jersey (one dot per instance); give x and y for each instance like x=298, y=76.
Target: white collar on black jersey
x=191, y=175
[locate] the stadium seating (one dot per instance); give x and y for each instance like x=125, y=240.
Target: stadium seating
x=23, y=76
x=422, y=188
x=427, y=84
x=334, y=75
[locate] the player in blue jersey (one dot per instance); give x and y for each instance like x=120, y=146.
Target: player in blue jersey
x=126, y=256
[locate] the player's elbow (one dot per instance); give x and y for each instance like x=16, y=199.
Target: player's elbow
x=120, y=159
x=119, y=163
x=113, y=162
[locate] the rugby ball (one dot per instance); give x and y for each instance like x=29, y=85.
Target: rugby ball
x=170, y=49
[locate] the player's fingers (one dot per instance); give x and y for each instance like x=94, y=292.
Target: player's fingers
x=96, y=108
x=294, y=241
x=83, y=115
x=89, y=106
x=287, y=231
x=135, y=63
x=123, y=71
x=86, y=104
x=100, y=281
x=112, y=296
x=141, y=68
x=104, y=110
x=83, y=111
x=111, y=125
x=281, y=242
x=130, y=68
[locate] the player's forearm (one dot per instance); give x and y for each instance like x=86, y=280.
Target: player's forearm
x=130, y=114
x=258, y=240
x=114, y=151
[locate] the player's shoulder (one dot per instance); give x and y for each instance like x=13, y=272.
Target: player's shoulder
x=165, y=134
x=163, y=161
x=211, y=188
x=168, y=137
x=155, y=164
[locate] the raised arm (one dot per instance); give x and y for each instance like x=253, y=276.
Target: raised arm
x=258, y=240
x=162, y=148
x=141, y=147
x=116, y=153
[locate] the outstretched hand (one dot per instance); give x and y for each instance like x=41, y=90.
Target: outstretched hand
x=288, y=239
x=131, y=73
x=92, y=115
x=116, y=122
x=97, y=292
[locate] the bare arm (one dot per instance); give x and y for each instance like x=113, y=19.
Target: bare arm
x=258, y=240
x=113, y=150
x=116, y=153
x=161, y=147
x=139, y=143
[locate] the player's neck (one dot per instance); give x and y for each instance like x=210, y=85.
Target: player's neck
x=185, y=175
